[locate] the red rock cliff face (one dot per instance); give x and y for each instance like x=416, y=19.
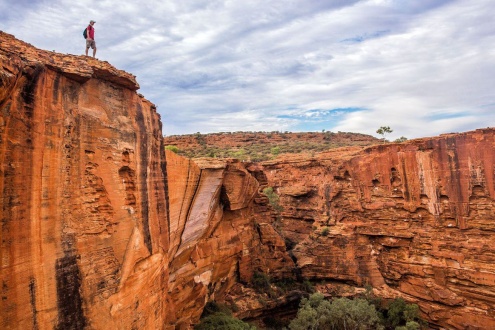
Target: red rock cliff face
x=84, y=236
x=415, y=220
x=215, y=240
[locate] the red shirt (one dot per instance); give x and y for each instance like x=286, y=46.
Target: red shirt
x=91, y=32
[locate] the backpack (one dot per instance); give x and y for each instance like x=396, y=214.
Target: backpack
x=85, y=33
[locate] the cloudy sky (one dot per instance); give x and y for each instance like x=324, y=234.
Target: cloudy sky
x=422, y=67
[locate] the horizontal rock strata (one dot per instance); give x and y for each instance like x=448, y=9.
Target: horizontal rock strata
x=414, y=220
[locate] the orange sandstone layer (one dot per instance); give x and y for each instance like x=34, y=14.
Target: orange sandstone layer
x=415, y=220
x=83, y=210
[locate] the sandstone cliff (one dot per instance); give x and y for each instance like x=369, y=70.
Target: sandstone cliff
x=413, y=219
x=103, y=229
x=84, y=212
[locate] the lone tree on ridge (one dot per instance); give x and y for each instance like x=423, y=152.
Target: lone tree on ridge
x=383, y=130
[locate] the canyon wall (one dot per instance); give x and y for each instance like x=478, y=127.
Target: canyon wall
x=415, y=220
x=83, y=183
x=103, y=229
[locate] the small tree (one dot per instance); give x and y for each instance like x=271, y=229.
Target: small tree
x=222, y=321
x=217, y=316
x=383, y=130
x=400, y=313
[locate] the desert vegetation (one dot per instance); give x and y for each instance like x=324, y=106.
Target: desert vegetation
x=361, y=313
x=261, y=146
x=219, y=317
x=364, y=312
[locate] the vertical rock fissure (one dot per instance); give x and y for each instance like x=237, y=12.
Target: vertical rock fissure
x=165, y=187
x=32, y=296
x=29, y=88
x=184, y=200
x=407, y=195
x=143, y=180
x=459, y=204
x=67, y=273
x=68, y=280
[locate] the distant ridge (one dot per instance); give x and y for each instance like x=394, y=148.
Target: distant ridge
x=260, y=146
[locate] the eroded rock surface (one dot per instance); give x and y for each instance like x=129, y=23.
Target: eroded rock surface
x=414, y=220
x=84, y=230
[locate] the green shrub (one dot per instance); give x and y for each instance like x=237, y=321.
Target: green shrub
x=222, y=321
x=273, y=199
x=275, y=150
x=172, y=148
x=325, y=231
x=261, y=282
x=411, y=325
x=212, y=307
x=286, y=284
x=401, y=313
x=342, y=313
x=307, y=286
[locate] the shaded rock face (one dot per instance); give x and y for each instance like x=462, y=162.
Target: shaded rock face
x=101, y=229
x=83, y=214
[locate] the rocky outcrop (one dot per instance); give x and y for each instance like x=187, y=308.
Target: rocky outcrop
x=414, y=220
x=103, y=229
x=220, y=232
x=83, y=211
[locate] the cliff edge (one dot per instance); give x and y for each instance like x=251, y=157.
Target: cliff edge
x=83, y=182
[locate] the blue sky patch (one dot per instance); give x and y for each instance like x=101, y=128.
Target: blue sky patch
x=364, y=37
x=322, y=114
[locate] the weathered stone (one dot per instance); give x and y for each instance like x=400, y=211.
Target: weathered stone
x=413, y=219
x=83, y=210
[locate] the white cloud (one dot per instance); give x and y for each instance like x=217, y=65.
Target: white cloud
x=423, y=68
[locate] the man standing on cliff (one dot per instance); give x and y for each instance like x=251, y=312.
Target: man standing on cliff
x=90, y=38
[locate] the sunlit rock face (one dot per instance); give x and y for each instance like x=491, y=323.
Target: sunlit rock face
x=102, y=229
x=412, y=220
x=84, y=213
x=415, y=220
x=220, y=233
